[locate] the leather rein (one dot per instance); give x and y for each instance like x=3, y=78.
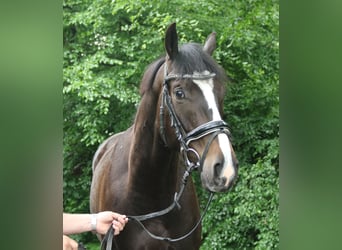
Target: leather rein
x=213, y=127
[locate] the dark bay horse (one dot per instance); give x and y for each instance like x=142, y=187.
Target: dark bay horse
x=178, y=121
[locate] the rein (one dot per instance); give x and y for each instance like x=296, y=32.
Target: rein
x=213, y=127
x=107, y=241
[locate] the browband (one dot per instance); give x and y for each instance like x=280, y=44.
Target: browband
x=188, y=76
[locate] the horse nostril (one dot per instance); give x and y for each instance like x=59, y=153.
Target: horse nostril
x=217, y=169
x=219, y=181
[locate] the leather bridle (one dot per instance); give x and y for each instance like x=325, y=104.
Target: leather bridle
x=213, y=128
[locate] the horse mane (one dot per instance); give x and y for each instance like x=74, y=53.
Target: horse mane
x=149, y=75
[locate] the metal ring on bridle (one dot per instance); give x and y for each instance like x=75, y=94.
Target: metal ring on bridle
x=194, y=164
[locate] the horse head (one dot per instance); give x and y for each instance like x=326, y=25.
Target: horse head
x=192, y=96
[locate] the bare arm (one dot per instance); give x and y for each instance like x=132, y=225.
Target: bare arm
x=100, y=222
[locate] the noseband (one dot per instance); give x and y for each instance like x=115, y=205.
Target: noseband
x=213, y=128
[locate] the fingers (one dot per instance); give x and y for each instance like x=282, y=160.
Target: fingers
x=69, y=244
x=121, y=218
x=119, y=224
x=105, y=218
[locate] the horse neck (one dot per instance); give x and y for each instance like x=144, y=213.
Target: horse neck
x=152, y=166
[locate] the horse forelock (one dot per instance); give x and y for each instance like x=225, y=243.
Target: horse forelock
x=149, y=75
x=191, y=58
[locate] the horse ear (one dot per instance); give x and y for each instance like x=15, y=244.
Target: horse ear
x=171, y=41
x=210, y=43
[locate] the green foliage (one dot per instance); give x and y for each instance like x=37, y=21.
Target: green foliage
x=108, y=45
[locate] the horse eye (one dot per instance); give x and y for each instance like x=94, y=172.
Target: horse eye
x=179, y=94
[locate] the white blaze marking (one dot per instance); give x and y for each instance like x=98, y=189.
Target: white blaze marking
x=207, y=87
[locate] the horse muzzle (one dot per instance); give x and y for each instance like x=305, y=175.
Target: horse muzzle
x=217, y=175
x=217, y=163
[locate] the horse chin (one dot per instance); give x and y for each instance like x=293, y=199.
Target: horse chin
x=216, y=189
x=218, y=185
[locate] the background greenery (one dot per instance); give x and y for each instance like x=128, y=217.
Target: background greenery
x=107, y=46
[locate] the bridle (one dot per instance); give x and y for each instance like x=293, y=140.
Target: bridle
x=213, y=128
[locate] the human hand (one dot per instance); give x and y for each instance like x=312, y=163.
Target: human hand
x=69, y=244
x=107, y=218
